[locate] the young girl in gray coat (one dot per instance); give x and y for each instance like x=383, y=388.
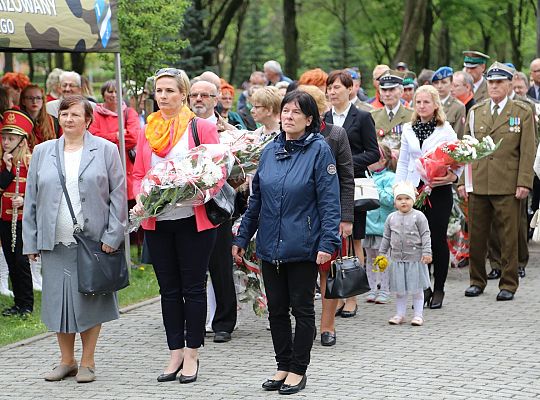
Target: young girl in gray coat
x=407, y=243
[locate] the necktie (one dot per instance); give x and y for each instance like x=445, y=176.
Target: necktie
x=495, y=111
x=391, y=115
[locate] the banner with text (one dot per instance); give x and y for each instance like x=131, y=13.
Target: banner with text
x=80, y=26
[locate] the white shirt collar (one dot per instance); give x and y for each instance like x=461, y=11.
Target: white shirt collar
x=394, y=110
x=344, y=113
x=502, y=104
x=476, y=85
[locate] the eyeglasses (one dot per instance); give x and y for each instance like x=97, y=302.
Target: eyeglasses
x=167, y=72
x=204, y=96
x=34, y=98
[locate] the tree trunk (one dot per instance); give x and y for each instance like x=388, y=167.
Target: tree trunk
x=515, y=29
x=236, y=52
x=77, y=62
x=290, y=38
x=428, y=30
x=31, y=66
x=8, y=65
x=443, y=54
x=59, y=60
x=413, y=20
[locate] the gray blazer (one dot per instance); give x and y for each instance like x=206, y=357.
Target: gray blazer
x=101, y=188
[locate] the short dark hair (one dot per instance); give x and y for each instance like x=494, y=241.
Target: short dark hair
x=308, y=106
x=111, y=84
x=343, y=76
x=69, y=101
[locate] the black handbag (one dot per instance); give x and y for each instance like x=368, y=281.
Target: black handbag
x=220, y=208
x=347, y=277
x=97, y=272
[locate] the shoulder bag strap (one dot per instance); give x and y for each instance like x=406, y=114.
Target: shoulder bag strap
x=76, y=226
x=194, y=131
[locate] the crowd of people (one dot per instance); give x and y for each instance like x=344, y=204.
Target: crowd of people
x=60, y=157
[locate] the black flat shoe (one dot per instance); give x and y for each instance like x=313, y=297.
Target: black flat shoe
x=292, y=389
x=339, y=311
x=222, y=337
x=505, y=295
x=494, y=274
x=189, y=379
x=272, y=385
x=349, y=314
x=328, y=338
x=437, y=299
x=473, y=291
x=170, y=377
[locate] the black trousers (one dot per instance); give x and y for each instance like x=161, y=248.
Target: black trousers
x=438, y=216
x=292, y=285
x=221, y=273
x=180, y=257
x=18, y=266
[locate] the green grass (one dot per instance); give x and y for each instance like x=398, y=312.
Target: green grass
x=143, y=285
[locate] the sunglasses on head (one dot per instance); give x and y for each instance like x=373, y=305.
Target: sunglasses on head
x=167, y=72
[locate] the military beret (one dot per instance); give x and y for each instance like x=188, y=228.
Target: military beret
x=17, y=122
x=498, y=71
x=353, y=73
x=442, y=73
x=472, y=58
x=390, y=79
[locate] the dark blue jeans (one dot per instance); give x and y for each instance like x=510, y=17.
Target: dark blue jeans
x=292, y=286
x=180, y=257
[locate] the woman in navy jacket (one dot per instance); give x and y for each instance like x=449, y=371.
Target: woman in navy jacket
x=295, y=207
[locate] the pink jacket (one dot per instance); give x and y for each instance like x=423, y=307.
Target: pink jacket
x=105, y=125
x=207, y=135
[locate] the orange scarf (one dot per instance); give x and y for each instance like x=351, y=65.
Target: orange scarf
x=163, y=134
x=465, y=99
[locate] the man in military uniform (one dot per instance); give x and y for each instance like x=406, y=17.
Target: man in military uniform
x=474, y=63
x=454, y=109
x=389, y=120
x=495, y=185
x=409, y=86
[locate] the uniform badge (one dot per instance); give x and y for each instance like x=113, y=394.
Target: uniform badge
x=380, y=132
x=331, y=169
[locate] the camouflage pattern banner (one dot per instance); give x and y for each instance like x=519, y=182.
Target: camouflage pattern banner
x=59, y=25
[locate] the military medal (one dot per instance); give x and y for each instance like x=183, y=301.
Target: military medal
x=380, y=132
x=515, y=124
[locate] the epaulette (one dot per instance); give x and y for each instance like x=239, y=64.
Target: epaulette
x=522, y=104
x=375, y=110
x=483, y=102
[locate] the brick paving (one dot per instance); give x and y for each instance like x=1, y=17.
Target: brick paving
x=473, y=348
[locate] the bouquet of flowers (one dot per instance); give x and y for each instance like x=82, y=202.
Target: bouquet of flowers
x=450, y=155
x=458, y=238
x=247, y=150
x=249, y=275
x=191, y=180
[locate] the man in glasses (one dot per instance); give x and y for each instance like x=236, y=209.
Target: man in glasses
x=203, y=99
x=70, y=84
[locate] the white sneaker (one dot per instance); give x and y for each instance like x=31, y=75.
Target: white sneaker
x=370, y=298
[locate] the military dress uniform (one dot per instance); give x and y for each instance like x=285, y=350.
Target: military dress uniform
x=362, y=105
x=482, y=92
x=389, y=131
x=494, y=180
x=473, y=59
x=455, y=115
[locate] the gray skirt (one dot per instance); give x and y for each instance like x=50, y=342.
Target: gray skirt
x=63, y=308
x=408, y=277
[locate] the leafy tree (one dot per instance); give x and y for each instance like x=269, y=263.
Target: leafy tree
x=149, y=37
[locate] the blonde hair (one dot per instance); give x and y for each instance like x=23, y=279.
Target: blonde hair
x=439, y=115
x=268, y=97
x=182, y=82
x=22, y=153
x=317, y=95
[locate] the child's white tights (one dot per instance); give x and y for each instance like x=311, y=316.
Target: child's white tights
x=418, y=303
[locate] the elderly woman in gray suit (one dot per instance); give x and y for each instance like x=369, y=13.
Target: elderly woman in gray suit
x=95, y=182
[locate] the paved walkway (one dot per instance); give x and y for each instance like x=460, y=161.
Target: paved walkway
x=470, y=349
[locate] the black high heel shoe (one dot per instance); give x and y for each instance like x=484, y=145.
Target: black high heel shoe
x=191, y=378
x=170, y=377
x=437, y=299
x=428, y=295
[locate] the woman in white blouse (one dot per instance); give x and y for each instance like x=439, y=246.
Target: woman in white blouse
x=427, y=129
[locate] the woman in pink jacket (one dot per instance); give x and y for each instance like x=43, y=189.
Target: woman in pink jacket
x=105, y=125
x=181, y=239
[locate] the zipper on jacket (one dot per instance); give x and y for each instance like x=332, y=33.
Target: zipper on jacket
x=277, y=266
x=309, y=222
